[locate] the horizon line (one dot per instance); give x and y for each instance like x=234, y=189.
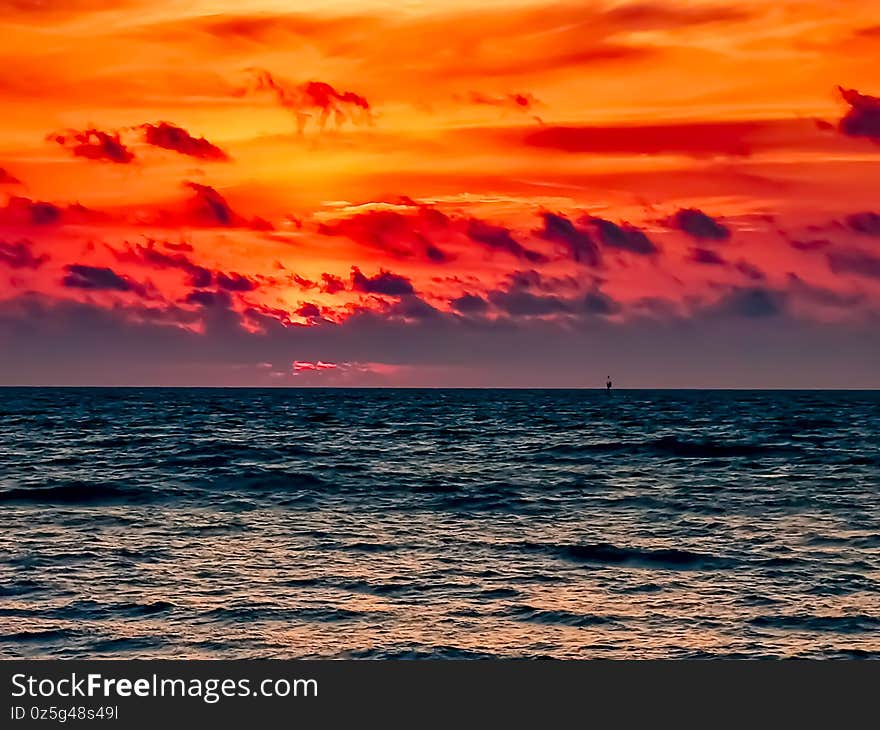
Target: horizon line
x=441, y=387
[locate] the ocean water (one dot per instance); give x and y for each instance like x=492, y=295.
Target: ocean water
x=210, y=523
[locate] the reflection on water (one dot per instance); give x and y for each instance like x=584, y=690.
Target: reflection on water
x=286, y=523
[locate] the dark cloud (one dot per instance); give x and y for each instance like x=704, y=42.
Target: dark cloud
x=707, y=256
x=20, y=255
x=522, y=303
x=499, y=238
x=98, y=278
x=863, y=117
x=171, y=137
x=470, y=304
x=7, y=178
x=234, y=282
x=625, y=237
x=384, y=283
x=24, y=212
x=205, y=207
x=436, y=254
x=854, y=262
x=198, y=276
x=208, y=208
x=308, y=310
x=529, y=294
x=532, y=279
x=749, y=302
x=211, y=299
x=414, y=308
x=578, y=244
x=93, y=144
x=149, y=255
x=597, y=302
x=821, y=295
x=812, y=244
x=312, y=97
x=865, y=223
x=81, y=343
x=750, y=271
x=698, y=224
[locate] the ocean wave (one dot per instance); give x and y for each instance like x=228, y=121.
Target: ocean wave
x=268, y=480
x=670, y=446
x=320, y=614
x=126, y=644
x=47, y=635
x=89, y=610
x=491, y=594
x=416, y=653
x=222, y=523
x=77, y=493
x=810, y=623
x=564, y=618
x=20, y=588
x=608, y=554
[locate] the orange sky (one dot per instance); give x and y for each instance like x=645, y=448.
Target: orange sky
x=430, y=167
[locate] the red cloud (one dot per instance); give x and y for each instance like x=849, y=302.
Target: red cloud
x=515, y=102
x=415, y=233
x=300, y=366
x=331, y=284
x=7, y=178
x=313, y=97
x=500, y=238
x=698, y=139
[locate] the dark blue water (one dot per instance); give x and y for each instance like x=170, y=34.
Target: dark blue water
x=383, y=523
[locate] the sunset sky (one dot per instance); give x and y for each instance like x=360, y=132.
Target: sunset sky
x=355, y=192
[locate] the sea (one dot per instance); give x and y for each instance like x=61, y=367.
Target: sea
x=439, y=524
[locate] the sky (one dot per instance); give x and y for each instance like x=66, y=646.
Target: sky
x=512, y=194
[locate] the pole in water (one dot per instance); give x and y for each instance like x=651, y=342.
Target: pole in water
x=608, y=384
